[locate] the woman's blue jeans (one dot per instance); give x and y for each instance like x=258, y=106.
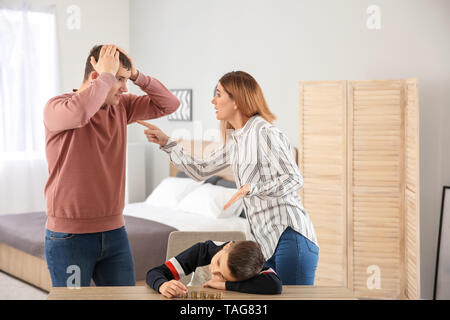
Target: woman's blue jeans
x=74, y=259
x=295, y=259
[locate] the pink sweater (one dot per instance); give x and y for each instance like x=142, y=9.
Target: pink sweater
x=86, y=150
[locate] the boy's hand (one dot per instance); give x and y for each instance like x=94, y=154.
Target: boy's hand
x=216, y=283
x=172, y=289
x=108, y=60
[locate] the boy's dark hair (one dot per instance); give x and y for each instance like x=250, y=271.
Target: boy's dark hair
x=245, y=260
x=95, y=51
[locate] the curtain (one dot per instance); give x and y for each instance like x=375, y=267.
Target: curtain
x=29, y=77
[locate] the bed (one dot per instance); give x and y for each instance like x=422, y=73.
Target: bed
x=172, y=206
x=22, y=246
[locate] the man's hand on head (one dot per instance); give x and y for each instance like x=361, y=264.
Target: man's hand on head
x=108, y=60
x=134, y=71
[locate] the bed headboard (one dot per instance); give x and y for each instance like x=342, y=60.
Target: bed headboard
x=200, y=149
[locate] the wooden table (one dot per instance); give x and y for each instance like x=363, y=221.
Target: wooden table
x=146, y=293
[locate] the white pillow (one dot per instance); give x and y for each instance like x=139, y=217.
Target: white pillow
x=171, y=191
x=209, y=200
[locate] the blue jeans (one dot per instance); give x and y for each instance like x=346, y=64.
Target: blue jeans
x=295, y=259
x=74, y=259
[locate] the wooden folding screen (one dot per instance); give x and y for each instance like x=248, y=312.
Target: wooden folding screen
x=412, y=217
x=358, y=152
x=323, y=163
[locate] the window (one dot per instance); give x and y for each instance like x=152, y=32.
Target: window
x=29, y=77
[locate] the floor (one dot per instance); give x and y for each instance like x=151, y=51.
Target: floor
x=14, y=289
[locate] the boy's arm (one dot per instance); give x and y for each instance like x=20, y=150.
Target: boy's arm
x=157, y=102
x=183, y=264
x=157, y=276
x=266, y=282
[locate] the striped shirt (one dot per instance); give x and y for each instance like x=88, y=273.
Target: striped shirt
x=260, y=155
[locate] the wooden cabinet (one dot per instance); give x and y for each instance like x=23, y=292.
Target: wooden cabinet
x=359, y=156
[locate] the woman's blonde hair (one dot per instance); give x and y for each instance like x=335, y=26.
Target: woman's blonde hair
x=248, y=96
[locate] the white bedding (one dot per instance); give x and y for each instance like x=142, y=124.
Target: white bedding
x=185, y=221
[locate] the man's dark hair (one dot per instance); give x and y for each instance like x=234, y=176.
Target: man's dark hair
x=245, y=260
x=95, y=51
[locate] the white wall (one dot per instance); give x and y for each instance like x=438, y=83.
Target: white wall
x=102, y=21
x=190, y=44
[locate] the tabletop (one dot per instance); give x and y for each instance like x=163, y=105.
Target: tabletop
x=198, y=293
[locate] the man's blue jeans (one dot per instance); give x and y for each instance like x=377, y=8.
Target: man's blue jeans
x=295, y=259
x=74, y=259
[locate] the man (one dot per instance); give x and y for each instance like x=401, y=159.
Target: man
x=86, y=152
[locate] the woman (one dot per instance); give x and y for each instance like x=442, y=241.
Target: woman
x=265, y=172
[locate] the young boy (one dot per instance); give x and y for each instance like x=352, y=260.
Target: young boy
x=236, y=266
